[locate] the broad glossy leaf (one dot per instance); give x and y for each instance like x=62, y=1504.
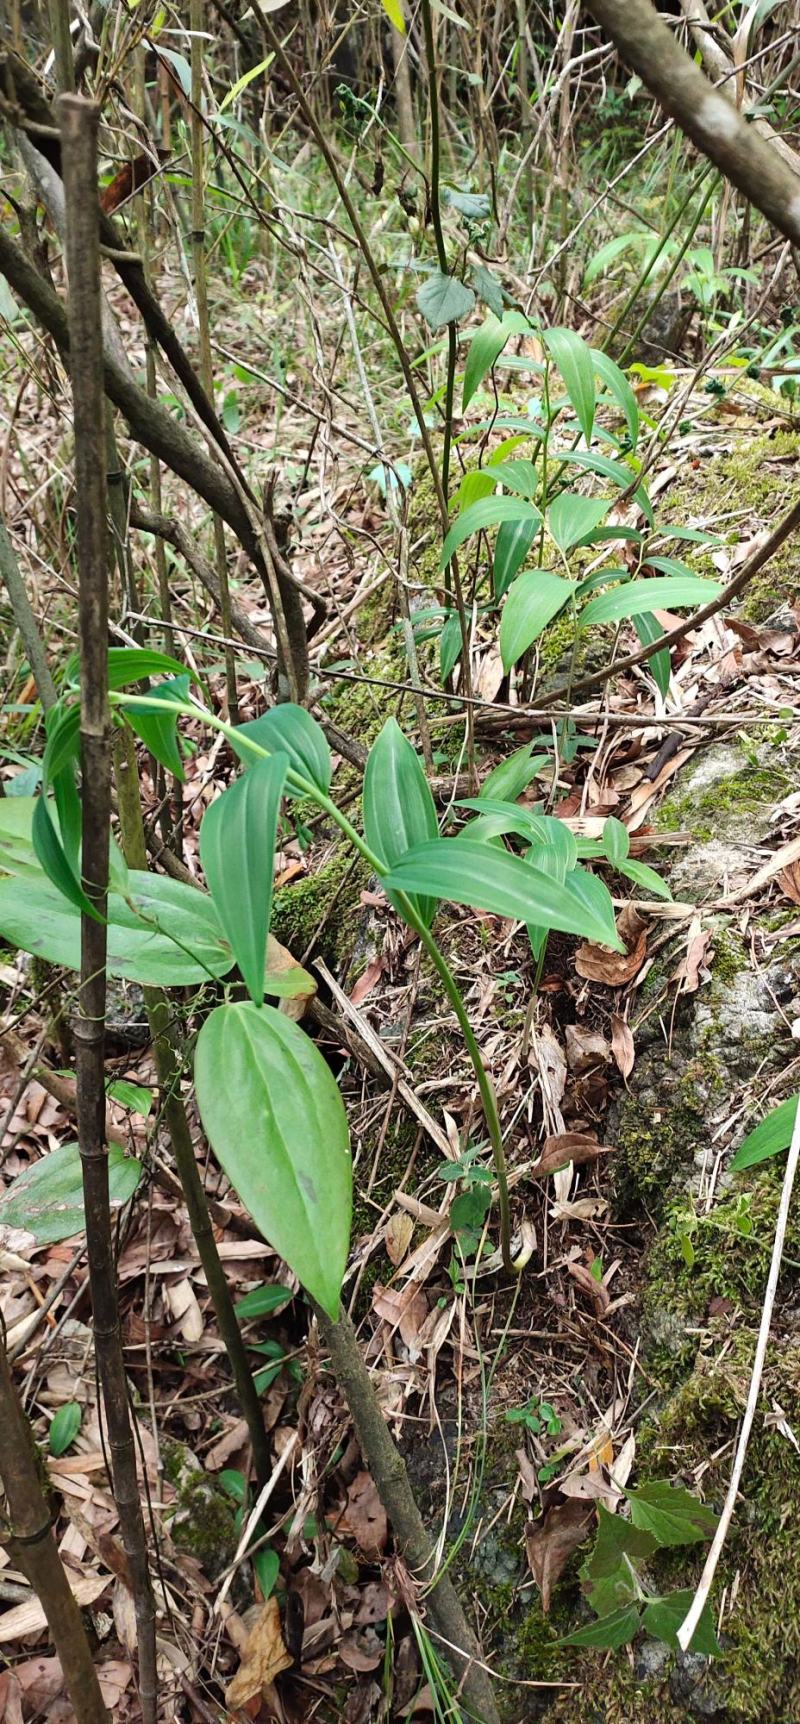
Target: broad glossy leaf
x=64, y=1428
x=616, y=841
x=591, y=894
x=129, y=664
x=664, y=1616
x=159, y=729
x=612, y=1631
x=663, y=592
x=618, y=386
x=399, y=810
x=770, y=1137
x=444, y=299
x=487, y=512
x=47, y=1198
x=505, y=885
x=572, y=517
x=511, y=547
x=532, y=602
x=17, y=854
x=474, y=485
x=290, y=730
x=276, y=1122
x=649, y=631
x=237, y=849
x=35, y=917
x=262, y=1301
x=574, y=361
x=519, y=476
x=671, y=1513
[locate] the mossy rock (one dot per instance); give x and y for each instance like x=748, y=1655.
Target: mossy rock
x=202, y=1520
x=324, y=907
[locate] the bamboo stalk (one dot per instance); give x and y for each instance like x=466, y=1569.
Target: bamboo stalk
x=31, y=1546
x=78, y=121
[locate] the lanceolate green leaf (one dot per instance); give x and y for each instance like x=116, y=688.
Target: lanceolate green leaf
x=572, y=517
x=129, y=664
x=663, y=592
x=573, y=359
x=485, y=347
x=513, y=775
x=771, y=1137
x=488, y=879
x=511, y=547
x=159, y=729
x=55, y=862
x=399, y=810
x=64, y=1428
x=237, y=848
x=518, y=476
x=176, y=941
x=618, y=386
x=487, y=512
x=47, y=1199
x=532, y=602
x=276, y=1122
x=649, y=630
x=290, y=730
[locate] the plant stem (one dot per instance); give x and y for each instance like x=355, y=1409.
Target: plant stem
x=394, y=1489
x=306, y=787
x=29, y=1541
x=25, y=620
x=159, y=1018
x=79, y=123
x=196, y=24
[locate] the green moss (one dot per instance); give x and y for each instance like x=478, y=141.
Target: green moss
x=753, y=481
x=203, y=1519
x=331, y=892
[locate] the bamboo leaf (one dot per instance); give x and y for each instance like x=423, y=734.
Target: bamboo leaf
x=399, y=810
x=237, y=847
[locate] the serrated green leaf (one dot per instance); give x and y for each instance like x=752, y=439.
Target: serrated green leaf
x=770, y=1137
x=444, y=299
x=488, y=512
x=399, y=810
x=533, y=601
x=664, y=1616
x=275, y=1119
x=290, y=730
x=611, y=1631
x=47, y=1198
x=671, y=1513
x=489, y=879
x=573, y=360
x=64, y=1428
x=663, y=592
x=237, y=848
x=572, y=517
x=488, y=288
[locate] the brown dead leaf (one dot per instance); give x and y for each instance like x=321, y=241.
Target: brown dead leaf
x=398, y=1234
x=405, y=1310
x=566, y=1146
x=366, y=981
x=285, y=971
x=622, y=1045
x=364, y=1516
x=263, y=1658
x=615, y=969
x=551, y=1540
x=789, y=882
x=689, y=971
x=182, y=1302
x=594, y=1290
x=585, y=1048
x=361, y=1649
